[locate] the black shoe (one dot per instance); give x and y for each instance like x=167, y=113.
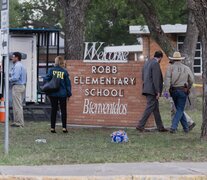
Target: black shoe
x=163, y=130
x=186, y=131
x=52, y=131
x=173, y=131
x=65, y=130
x=192, y=126
x=142, y=129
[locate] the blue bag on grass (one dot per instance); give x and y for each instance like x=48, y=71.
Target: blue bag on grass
x=119, y=137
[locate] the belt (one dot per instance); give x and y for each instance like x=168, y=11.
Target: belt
x=179, y=88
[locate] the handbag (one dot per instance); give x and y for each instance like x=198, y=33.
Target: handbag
x=51, y=86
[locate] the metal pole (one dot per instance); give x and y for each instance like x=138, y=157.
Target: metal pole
x=6, y=141
x=47, y=51
x=38, y=54
x=58, y=43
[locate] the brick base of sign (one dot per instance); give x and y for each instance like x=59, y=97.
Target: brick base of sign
x=106, y=94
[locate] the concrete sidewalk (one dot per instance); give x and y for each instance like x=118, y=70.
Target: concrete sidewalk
x=122, y=171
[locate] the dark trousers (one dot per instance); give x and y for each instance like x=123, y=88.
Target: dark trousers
x=151, y=107
x=62, y=101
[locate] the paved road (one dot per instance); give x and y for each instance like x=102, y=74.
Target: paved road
x=113, y=169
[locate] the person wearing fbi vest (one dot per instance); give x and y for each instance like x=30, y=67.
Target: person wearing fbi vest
x=18, y=80
x=178, y=80
x=152, y=89
x=59, y=97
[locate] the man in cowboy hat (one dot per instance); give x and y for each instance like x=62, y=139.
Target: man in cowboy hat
x=190, y=121
x=152, y=89
x=179, y=79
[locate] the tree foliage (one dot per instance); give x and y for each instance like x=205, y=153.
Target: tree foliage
x=171, y=11
x=108, y=21
x=15, y=14
x=15, y=18
x=42, y=14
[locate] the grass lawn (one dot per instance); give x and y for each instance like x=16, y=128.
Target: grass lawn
x=93, y=145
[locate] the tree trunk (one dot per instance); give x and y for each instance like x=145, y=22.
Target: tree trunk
x=151, y=18
x=74, y=12
x=199, y=9
x=190, y=41
x=204, y=56
x=188, y=50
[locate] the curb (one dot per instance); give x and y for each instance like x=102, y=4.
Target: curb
x=131, y=177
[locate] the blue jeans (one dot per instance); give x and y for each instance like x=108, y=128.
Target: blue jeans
x=179, y=98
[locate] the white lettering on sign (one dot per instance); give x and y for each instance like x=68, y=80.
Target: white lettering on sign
x=116, y=108
x=94, y=52
x=104, y=69
x=105, y=77
x=125, y=81
x=91, y=50
x=105, y=92
x=4, y=5
x=4, y=19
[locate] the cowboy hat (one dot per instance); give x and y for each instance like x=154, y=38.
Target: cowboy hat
x=176, y=56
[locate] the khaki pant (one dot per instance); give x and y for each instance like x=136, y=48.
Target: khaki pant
x=18, y=92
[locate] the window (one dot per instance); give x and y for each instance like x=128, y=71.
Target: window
x=197, y=65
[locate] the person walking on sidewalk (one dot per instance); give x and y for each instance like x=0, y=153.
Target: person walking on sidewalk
x=59, y=97
x=178, y=80
x=18, y=80
x=152, y=89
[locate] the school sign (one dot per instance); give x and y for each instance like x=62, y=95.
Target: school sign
x=106, y=89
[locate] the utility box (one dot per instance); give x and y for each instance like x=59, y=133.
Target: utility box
x=26, y=44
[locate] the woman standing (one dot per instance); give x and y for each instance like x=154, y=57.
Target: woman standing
x=60, y=96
